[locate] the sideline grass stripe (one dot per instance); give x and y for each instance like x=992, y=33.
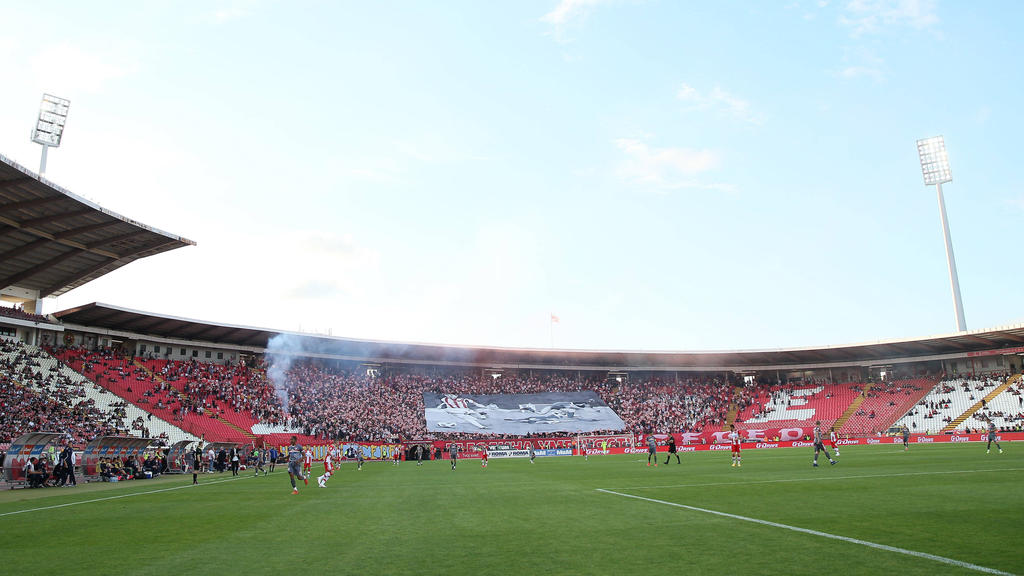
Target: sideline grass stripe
x=120, y=496
x=914, y=553
x=742, y=483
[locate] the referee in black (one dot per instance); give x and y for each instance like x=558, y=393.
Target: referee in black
x=197, y=462
x=672, y=449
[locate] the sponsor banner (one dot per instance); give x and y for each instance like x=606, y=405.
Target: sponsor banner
x=604, y=442
x=554, y=452
x=519, y=414
x=508, y=453
x=921, y=438
x=370, y=450
x=565, y=446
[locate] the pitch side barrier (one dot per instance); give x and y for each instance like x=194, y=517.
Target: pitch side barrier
x=111, y=447
x=370, y=450
x=624, y=444
x=763, y=444
x=33, y=444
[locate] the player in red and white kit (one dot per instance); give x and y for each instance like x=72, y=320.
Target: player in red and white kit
x=307, y=462
x=329, y=458
x=396, y=456
x=483, y=458
x=832, y=437
x=734, y=439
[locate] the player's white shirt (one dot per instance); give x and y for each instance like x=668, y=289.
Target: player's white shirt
x=328, y=458
x=734, y=437
x=308, y=456
x=832, y=437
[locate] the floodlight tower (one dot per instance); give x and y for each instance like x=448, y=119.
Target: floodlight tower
x=53, y=113
x=935, y=167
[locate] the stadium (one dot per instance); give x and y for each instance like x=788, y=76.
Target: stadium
x=148, y=442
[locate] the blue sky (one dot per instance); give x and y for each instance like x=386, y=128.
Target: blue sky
x=660, y=175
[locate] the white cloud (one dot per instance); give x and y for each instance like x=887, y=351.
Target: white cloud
x=666, y=168
x=874, y=16
x=718, y=100
x=861, y=72
x=566, y=13
x=67, y=69
x=861, y=62
x=232, y=10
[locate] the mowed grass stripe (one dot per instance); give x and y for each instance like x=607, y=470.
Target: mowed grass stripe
x=942, y=559
x=120, y=496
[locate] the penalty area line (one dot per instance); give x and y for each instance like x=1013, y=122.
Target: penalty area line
x=914, y=553
x=119, y=496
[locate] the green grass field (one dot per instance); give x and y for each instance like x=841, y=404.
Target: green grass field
x=953, y=501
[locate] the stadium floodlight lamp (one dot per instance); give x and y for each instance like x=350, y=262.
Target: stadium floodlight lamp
x=934, y=161
x=935, y=169
x=53, y=113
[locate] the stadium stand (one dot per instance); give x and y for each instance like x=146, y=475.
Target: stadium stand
x=946, y=401
x=122, y=377
x=334, y=404
x=781, y=406
x=19, y=314
x=40, y=393
x=883, y=403
x=1006, y=410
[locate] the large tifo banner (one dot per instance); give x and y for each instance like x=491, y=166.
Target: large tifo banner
x=519, y=414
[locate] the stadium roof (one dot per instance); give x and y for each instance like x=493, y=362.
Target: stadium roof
x=54, y=241
x=96, y=315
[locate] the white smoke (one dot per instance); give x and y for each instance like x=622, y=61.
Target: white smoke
x=282, y=349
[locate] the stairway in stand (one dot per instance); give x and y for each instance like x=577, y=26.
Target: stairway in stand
x=853, y=407
x=734, y=409
x=977, y=405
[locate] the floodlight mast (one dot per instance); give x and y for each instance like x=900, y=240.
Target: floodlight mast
x=53, y=113
x=935, y=169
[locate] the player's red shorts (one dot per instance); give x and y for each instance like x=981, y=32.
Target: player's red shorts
x=832, y=444
x=735, y=448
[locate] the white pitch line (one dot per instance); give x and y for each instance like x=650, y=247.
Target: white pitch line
x=824, y=478
x=118, y=496
x=914, y=553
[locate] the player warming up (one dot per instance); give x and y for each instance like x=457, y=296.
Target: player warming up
x=906, y=438
x=832, y=438
x=992, y=438
x=734, y=440
x=652, y=450
x=295, y=464
x=671, y=449
x=307, y=461
x=329, y=457
x=819, y=445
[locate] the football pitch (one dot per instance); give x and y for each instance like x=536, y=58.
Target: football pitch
x=937, y=509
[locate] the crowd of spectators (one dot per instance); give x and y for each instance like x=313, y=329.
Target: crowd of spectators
x=18, y=313
x=352, y=405
x=31, y=402
x=181, y=387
